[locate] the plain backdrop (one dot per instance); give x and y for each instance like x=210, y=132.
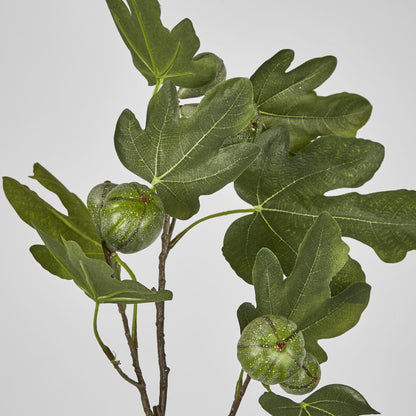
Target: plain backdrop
x=65, y=76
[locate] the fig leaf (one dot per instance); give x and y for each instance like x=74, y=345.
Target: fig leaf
x=288, y=193
x=183, y=158
x=76, y=225
x=158, y=53
x=94, y=276
x=334, y=399
x=288, y=99
x=304, y=296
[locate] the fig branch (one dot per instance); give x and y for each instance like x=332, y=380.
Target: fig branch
x=208, y=217
x=168, y=227
x=108, y=353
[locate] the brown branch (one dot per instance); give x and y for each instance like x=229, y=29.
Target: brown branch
x=135, y=361
x=160, y=409
x=140, y=385
x=239, y=397
x=116, y=365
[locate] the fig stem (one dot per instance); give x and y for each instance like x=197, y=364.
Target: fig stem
x=239, y=397
x=107, y=351
x=167, y=232
x=134, y=320
x=218, y=214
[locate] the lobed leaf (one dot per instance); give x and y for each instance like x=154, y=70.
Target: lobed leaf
x=288, y=194
x=288, y=99
x=332, y=400
x=158, y=53
x=183, y=158
x=305, y=297
x=76, y=225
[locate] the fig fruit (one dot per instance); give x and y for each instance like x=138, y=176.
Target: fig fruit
x=306, y=379
x=95, y=201
x=271, y=349
x=131, y=217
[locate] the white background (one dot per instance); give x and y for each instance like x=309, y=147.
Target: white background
x=65, y=77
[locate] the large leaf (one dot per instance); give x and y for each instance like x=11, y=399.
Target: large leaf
x=288, y=99
x=288, y=193
x=94, y=276
x=160, y=54
x=332, y=400
x=305, y=297
x=76, y=225
x=183, y=158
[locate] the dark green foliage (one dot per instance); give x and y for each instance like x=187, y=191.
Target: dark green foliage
x=288, y=194
x=335, y=400
x=183, y=158
x=305, y=296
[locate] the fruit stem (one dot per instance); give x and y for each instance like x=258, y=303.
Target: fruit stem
x=218, y=214
x=134, y=321
x=239, y=397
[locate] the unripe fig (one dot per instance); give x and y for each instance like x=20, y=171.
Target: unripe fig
x=95, y=201
x=271, y=349
x=306, y=379
x=131, y=217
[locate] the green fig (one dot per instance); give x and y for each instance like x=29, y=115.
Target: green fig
x=306, y=379
x=131, y=218
x=271, y=349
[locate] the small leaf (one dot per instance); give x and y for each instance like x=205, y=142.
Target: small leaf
x=268, y=283
x=332, y=400
x=245, y=314
x=288, y=99
x=94, y=276
x=288, y=193
x=160, y=54
x=183, y=158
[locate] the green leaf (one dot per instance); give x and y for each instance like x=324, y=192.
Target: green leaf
x=183, y=158
x=305, y=296
x=76, y=225
x=44, y=257
x=220, y=75
x=158, y=53
x=288, y=99
x=322, y=254
x=288, y=194
x=94, y=276
x=334, y=317
x=332, y=400
x=268, y=283
x=246, y=313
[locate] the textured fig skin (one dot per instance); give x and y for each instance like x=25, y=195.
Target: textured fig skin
x=95, y=202
x=306, y=379
x=131, y=218
x=271, y=349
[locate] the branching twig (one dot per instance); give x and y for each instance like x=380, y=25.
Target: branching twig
x=168, y=227
x=239, y=397
x=108, y=352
